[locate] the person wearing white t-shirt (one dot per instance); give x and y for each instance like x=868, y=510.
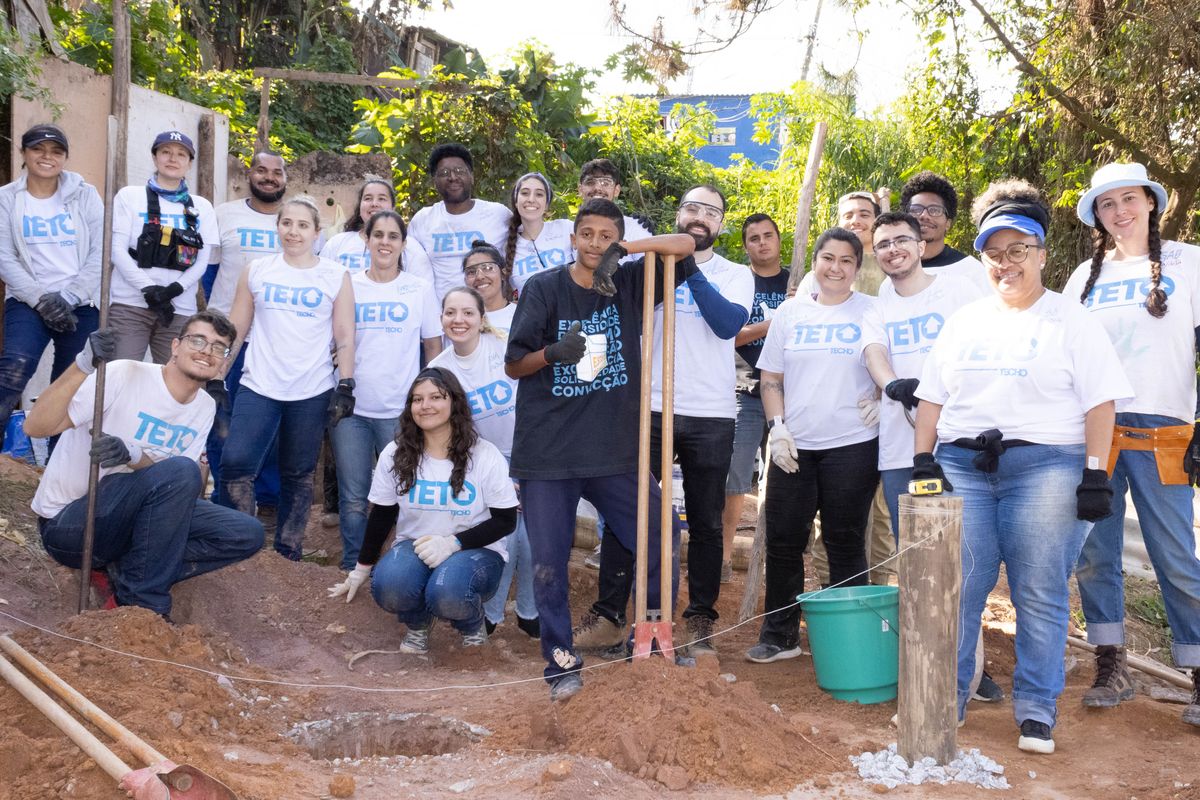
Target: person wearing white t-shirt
x=933, y=201
x=486, y=271
x=296, y=302
x=447, y=492
x=349, y=247
x=441, y=234
x=161, y=239
x=599, y=179
x=151, y=529
x=1018, y=397
x=824, y=438
x=476, y=357
x=534, y=242
x=396, y=318
x=51, y=237
x=1146, y=294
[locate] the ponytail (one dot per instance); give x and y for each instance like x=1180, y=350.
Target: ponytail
x=1156, y=300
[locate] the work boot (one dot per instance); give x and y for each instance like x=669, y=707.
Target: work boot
x=1112, y=684
x=988, y=690
x=531, y=627
x=699, y=636
x=416, y=641
x=1191, y=714
x=565, y=687
x=595, y=632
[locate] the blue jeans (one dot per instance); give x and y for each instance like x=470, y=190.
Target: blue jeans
x=266, y=485
x=257, y=421
x=895, y=483
x=520, y=561
x=748, y=434
x=1165, y=516
x=25, y=338
x=550, y=517
x=152, y=532
x=455, y=591
x=357, y=443
x=1023, y=515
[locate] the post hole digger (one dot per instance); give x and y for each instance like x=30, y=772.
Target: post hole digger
x=160, y=779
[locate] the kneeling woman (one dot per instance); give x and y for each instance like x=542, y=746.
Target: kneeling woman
x=1018, y=395
x=449, y=495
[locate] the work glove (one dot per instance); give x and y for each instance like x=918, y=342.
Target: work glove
x=112, y=451
x=100, y=347
x=570, y=349
x=341, y=402
x=157, y=295
x=56, y=312
x=645, y=221
x=925, y=469
x=602, y=280
x=902, y=390
x=868, y=411
x=433, y=550
x=349, y=587
x=1191, y=458
x=783, y=448
x=1093, y=496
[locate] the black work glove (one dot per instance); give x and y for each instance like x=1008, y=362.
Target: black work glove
x=160, y=304
x=100, y=347
x=1191, y=458
x=570, y=349
x=341, y=402
x=602, y=281
x=56, y=312
x=111, y=451
x=645, y=221
x=157, y=295
x=902, y=391
x=926, y=469
x=1093, y=497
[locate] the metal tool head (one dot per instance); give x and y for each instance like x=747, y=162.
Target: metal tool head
x=169, y=781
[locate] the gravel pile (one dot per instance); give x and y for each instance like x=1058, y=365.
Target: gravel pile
x=887, y=767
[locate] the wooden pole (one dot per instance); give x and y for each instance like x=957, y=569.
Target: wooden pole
x=758, y=553
x=264, y=120
x=808, y=191
x=89, y=525
x=121, y=76
x=641, y=572
x=930, y=574
x=667, y=464
x=1152, y=668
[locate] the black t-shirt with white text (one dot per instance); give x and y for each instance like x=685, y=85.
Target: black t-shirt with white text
x=772, y=291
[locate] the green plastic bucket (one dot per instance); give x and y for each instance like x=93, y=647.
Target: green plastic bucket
x=854, y=635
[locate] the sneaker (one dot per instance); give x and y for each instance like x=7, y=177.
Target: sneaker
x=531, y=627
x=764, y=653
x=330, y=519
x=490, y=626
x=593, y=560
x=726, y=572
x=1191, y=714
x=988, y=691
x=1035, y=737
x=1112, y=684
x=595, y=632
x=416, y=641
x=477, y=638
x=699, y=634
x=105, y=595
x=565, y=687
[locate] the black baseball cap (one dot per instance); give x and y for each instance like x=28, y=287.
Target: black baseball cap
x=44, y=133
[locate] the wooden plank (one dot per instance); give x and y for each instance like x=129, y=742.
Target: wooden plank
x=264, y=119
x=808, y=191
x=332, y=77
x=929, y=575
x=38, y=7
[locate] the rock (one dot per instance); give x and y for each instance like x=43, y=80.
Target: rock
x=674, y=778
x=558, y=771
x=462, y=786
x=342, y=786
x=176, y=719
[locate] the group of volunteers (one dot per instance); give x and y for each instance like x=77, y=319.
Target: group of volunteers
x=477, y=372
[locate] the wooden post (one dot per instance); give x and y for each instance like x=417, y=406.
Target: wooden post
x=804, y=206
x=641, y=572
x=264, y=121
x=758, y=552
x=930, y=574
x=121, y=75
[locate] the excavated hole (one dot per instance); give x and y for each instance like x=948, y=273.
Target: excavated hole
x=366, y=734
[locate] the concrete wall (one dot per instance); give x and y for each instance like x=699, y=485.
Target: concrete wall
x=150, y=113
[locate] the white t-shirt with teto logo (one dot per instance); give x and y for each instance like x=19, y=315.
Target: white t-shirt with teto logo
x=491, y=394
x=348, y=249
x=551, y=248
x=442, y=238
x=246, y=235
x=49, y=234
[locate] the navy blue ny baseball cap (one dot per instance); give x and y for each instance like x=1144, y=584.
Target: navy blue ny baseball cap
x=174, y=137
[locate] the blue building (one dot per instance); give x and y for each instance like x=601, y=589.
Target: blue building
x=734, y=129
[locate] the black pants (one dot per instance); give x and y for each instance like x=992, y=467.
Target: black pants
x=703, y=446
x=840, y=483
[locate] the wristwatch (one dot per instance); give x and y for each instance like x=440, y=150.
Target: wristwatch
x=775, y=420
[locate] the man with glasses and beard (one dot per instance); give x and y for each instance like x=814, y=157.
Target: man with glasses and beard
x=931, y=199
x=152, y=530
x=709, y=313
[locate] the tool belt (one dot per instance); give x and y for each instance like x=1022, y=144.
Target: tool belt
x=165, y=245
x=1168, y=443
x=990, y=445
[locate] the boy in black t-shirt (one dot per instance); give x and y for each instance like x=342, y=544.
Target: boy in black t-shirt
x=575, y=437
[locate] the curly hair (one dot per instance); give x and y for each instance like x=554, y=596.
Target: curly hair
x=1009, y=189
x=927, y=181
x=1156, y=298
x=356, y=222
x=410, y=439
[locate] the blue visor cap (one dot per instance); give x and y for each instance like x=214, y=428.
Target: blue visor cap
x=1014, y=222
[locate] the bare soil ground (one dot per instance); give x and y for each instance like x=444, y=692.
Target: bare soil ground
x=252, y=684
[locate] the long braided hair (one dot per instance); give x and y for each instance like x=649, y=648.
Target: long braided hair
x=410, y=439
x=1156, y=298
x=514, y=222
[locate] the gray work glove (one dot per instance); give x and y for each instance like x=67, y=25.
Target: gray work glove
x=56, y=312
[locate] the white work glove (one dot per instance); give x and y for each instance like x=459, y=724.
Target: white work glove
x=349, y=587
x=433, y=550
x=783, y=448
x=868, y=410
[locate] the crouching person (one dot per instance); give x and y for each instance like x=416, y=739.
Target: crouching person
x=152, y=529
x=449, y=495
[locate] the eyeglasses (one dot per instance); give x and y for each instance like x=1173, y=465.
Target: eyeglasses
x=602, y=183
x=934, y=212
x=484, y=268
x=199, y=344
x=457, y=172
x=695, y=208
x=888, y=244
x=1015, y=253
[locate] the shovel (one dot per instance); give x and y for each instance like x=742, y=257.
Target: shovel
x=161, y=779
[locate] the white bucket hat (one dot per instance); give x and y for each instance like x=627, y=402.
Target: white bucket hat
x=1117, y=176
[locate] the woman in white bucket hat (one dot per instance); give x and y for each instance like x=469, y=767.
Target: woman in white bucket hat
x=1146, y=294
